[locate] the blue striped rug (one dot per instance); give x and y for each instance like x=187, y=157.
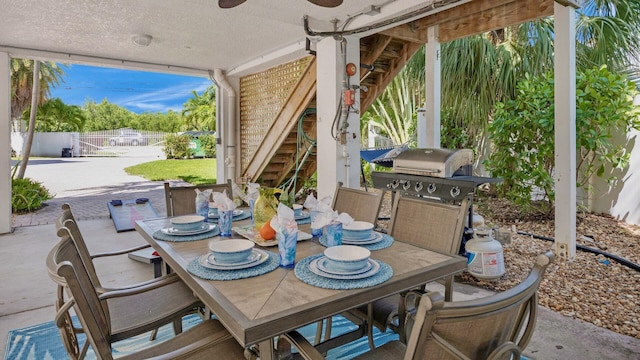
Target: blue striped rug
x=42, y=341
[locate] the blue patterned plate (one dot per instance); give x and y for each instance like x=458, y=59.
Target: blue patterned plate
x=236, y=213
x=375, y=267
x=372, y=239
x=260, y=256
x=321, y=264
x=203, y=229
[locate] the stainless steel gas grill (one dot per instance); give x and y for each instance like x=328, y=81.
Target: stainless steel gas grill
x=440, y=174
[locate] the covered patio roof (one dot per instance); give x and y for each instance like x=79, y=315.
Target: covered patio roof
x=197, y=37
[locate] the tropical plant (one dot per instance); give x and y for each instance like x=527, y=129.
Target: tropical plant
x=54, y=115
x=22, y=84
x=523, y=133
x=199, y=112
x=394, y=112
x=28, y=195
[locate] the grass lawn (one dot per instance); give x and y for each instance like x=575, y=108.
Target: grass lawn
x=193, y=171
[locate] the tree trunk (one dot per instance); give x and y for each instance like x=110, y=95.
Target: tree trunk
x=26, y=150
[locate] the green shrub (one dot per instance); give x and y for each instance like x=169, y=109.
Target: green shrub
x=208, y=145
x=522, y=133
x=28, y=195
x=177, y=147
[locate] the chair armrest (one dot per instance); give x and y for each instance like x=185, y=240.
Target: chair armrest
x=162, y=280
x=300, y=342
x=120, y=252
x=150, y=285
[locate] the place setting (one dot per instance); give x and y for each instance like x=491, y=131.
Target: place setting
x=238, y=214
x=343, y=267
x=187, y=228
x=301, y=216
x=361, y=233
x=231, y=259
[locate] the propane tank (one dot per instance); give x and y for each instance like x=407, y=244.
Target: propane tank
x=485, y=259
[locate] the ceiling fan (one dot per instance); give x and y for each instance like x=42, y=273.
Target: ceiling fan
x=227, y=4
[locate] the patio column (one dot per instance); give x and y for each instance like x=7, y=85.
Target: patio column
x=565, y=130
x=5, y=138
x=430, y=137
x=338, y=150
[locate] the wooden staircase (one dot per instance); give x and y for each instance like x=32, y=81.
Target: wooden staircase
x=387, y=52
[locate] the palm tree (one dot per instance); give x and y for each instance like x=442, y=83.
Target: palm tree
x=394, y=111
x=481, y=70
x=199, y=111
x=55, y=115
x=22, y=84
x=30, y=84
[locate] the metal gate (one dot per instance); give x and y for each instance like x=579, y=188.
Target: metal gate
x=121, y=142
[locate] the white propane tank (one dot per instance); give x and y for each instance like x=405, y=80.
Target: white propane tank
x=485, y=259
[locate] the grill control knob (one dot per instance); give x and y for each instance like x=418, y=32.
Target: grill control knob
x=395, y=183
x=431, y=188
x=419, y=186
x=406, y=185
x=455, y=191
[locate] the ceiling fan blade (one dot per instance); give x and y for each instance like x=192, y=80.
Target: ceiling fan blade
x=326, y=3
x=228, y=4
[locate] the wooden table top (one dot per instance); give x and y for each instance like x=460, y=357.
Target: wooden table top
x=262, y=307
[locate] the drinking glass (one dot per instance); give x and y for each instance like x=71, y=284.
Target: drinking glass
x=224, y=221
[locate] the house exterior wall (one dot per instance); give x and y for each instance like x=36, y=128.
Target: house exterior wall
x=622, y=198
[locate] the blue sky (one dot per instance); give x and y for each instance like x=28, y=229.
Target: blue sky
x=137, y=91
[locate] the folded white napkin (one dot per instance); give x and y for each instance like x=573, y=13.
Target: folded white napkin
x=223, y=202
x=284, y=222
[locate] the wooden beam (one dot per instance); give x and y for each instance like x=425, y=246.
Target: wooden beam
x=498, y=17
x=407, y=32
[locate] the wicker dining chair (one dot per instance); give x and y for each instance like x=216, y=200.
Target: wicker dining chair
x=424, y=223
x=136, y=309
x=206, y=340
x=499, y=326
x=181, y=199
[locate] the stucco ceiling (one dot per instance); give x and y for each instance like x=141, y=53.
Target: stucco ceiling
x=186, y=34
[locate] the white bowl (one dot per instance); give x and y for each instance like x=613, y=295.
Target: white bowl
x=297, y=210
x=232, y=250
x=187, y=222
x=357, y=230
x=346, y=257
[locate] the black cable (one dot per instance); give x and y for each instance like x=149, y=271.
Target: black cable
x=615, y=258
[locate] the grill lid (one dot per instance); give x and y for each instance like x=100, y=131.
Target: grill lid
x=432, y=162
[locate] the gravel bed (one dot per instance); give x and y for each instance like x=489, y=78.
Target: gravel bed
x=589, y=287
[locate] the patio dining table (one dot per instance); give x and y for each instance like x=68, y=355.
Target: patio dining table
x=257, y=309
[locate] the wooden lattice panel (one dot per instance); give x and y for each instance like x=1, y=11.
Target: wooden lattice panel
x=262, y=96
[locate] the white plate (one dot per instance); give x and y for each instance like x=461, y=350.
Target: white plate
x=321, y=264
x=374, y=238
x=255, y=256
x=203, y=229
x=375, y=267
x=235, y=213
x=249, y=232
x=264, y=256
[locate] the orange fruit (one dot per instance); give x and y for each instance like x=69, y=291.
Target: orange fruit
x=267, y=232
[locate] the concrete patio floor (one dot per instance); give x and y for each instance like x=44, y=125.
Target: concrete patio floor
x=27, y=294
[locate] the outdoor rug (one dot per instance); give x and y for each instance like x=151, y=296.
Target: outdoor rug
x=42, y=341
